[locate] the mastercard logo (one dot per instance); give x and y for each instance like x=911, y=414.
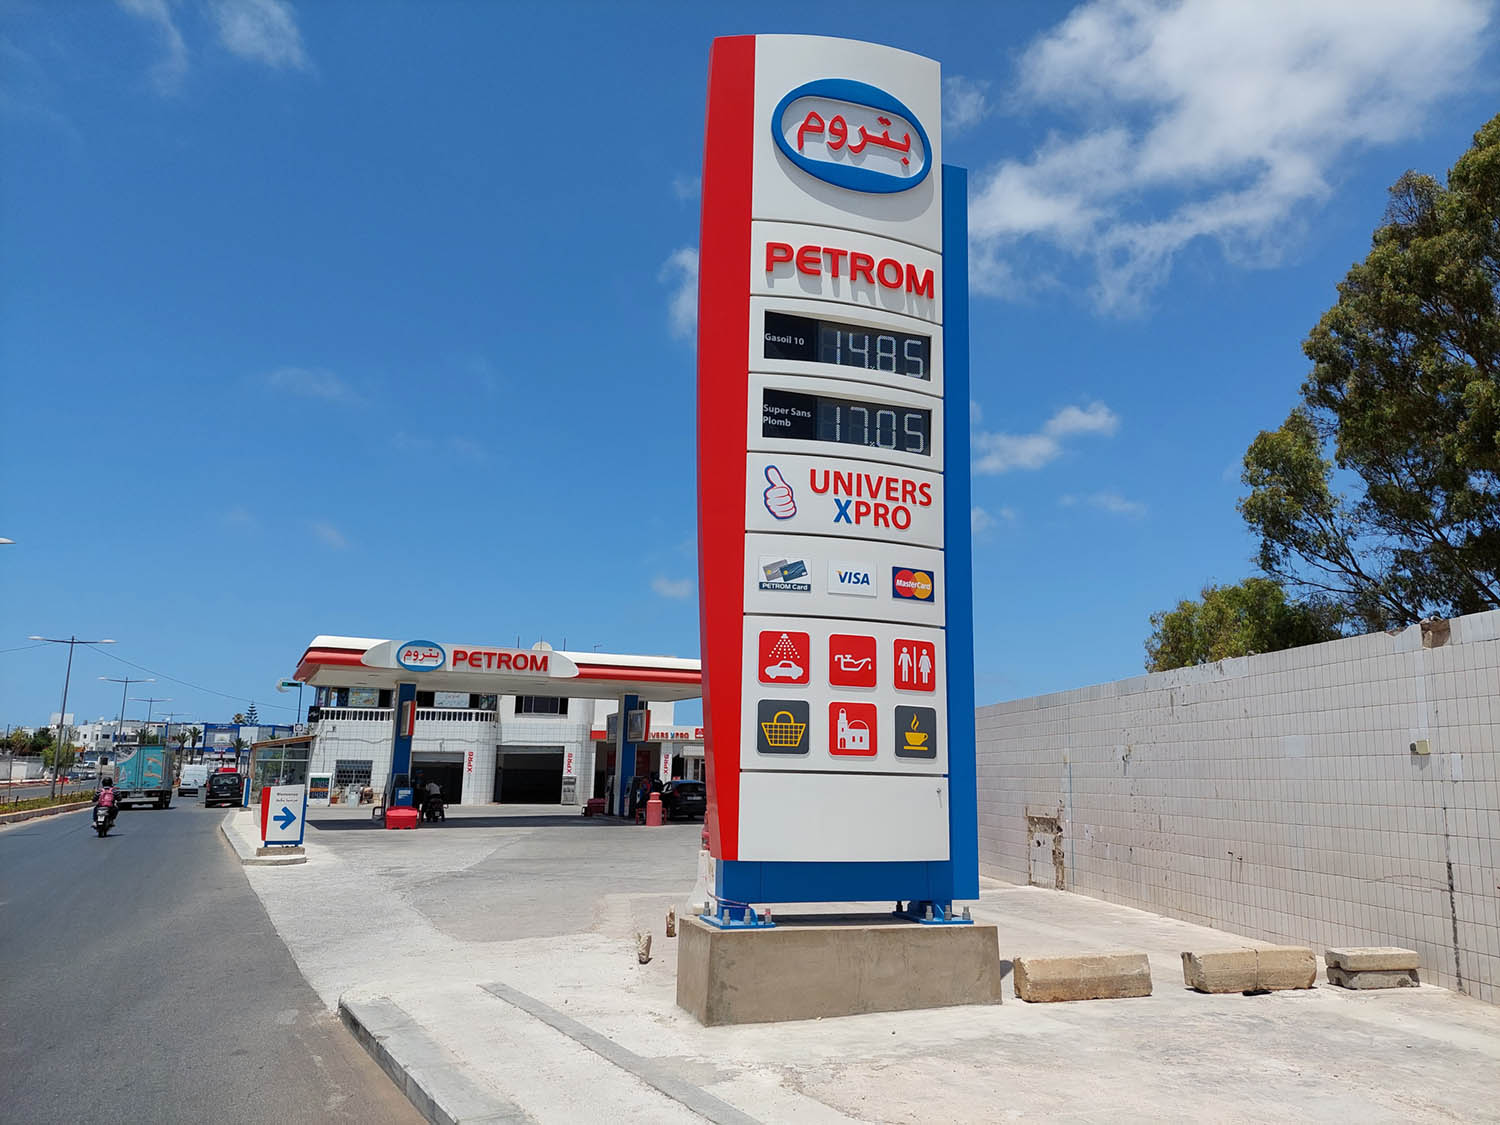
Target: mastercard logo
x=913, y=584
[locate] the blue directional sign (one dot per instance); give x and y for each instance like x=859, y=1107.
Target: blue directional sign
x=285, y=816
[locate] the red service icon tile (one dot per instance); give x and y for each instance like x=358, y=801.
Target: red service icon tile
x=851, y=660
x=783, y=657
x=851, y=730
x=916, y=665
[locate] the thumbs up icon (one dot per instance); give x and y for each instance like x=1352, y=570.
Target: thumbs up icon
x=779, y=499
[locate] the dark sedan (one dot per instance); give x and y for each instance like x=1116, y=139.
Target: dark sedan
x=683, y=798
x=222, y=789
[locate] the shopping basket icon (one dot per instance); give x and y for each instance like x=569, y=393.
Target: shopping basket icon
x=783, y=730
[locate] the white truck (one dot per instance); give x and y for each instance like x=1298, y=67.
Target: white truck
x=192, y=779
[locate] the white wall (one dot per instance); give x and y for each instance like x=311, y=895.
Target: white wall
x=1276, y=795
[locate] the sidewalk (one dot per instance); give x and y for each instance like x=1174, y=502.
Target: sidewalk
x=494, y=964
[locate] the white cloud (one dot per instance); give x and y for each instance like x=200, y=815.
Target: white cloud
x=1095, y=418
x=1216, y=119
x=677, y=588
x=680, y=270
x=329, y=535
x=981, y=521
x=468, y=448
x=965, y=102
x=1000, y=452
x=1111, y=502
x=263, y=31
x=167, y=74
x=686, y=187
x=311, y=382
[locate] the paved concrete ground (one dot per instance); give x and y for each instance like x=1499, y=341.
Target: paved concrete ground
x=501, y=949
x=207, y=1017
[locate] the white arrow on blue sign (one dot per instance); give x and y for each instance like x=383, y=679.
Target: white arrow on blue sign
x=285, y=815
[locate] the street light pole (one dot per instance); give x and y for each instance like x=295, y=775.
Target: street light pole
x=150, y=702
x=62, y=716
x=166, y=740
x=120, y=723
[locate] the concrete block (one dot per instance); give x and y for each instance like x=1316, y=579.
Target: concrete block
x=1095, y=976
x=1373, y=978
x=832, y=967
x=1363, y=959
x=1250, y=970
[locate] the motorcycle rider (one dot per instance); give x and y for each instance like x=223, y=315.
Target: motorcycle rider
x=105, y=798
x=434, y=798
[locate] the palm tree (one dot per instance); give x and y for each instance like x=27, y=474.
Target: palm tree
x=194, y=734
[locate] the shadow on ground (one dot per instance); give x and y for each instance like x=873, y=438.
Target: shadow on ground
x=459, y=823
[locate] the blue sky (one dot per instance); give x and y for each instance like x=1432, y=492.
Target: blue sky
x=377, y=318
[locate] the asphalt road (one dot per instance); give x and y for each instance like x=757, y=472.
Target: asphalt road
x=10, y=793
x=206, y=1017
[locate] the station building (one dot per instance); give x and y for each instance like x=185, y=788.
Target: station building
x=489, y=723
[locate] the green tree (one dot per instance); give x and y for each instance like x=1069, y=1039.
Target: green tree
x=239, y=719
x=194, y=734
x=1250, y=617
x=1402, y=407
x=252, y=716
x=67, y=755
x=39, y=741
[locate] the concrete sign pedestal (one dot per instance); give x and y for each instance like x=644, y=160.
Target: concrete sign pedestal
x=828, y=966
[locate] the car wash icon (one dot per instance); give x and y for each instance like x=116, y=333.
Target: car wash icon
x=783, y=657
x=778, y=497
x=851, y=730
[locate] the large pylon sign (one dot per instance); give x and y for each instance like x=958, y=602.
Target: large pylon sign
x=833, y=480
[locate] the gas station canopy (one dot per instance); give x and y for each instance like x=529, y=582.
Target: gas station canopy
x=541, y=670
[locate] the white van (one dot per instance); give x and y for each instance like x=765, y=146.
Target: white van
x=192, y=779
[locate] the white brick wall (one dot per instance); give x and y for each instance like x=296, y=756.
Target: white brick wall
x=1276, y=795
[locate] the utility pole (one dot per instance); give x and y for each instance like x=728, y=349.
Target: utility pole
x=62, y=716
x=166, y=740
x=120, y=723
x=150, y=702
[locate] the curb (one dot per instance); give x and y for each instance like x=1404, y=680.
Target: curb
x=431, y=1077
x=32, y=814
x=249, y=854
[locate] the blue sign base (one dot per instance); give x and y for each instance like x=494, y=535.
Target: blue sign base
x=744, y=881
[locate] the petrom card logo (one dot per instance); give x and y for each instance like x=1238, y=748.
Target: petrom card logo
x=784, y=575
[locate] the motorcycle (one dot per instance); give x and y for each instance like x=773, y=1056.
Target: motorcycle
x=103, y=818
x=432, y=808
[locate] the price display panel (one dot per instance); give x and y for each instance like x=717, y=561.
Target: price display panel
x=846, y=421
x=805, y=339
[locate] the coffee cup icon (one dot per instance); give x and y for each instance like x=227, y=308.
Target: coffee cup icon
x=915, y=739
x=917, y=727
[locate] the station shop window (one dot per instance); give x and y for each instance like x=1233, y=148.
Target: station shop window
x=451, y=699
x=541, y=705
x=279, y=765
x=353, y=697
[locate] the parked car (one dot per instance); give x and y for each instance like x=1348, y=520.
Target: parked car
x=683, y=798
x=222, y=789
x=191, y=779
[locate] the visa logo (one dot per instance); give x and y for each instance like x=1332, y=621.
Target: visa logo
x=851, y=578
